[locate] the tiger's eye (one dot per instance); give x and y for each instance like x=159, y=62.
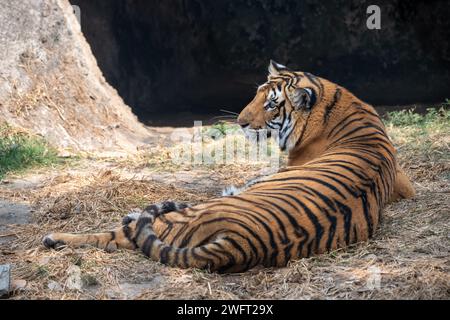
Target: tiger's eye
x=270, y=105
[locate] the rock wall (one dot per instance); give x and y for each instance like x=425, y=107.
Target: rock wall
x=50, y=83
x=202, y=55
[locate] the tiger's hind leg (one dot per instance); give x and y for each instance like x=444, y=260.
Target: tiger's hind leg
x=120, y=238
x=157, y=210
x=167, y=206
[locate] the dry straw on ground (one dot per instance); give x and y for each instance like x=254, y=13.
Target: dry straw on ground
x=407, y=259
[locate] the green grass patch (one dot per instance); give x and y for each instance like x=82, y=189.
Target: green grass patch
x=426, y=134
x=20, y=151
x=220, y=129
x=435, y=117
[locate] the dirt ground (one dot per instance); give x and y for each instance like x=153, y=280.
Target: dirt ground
x=52, y=86
x=407, y=259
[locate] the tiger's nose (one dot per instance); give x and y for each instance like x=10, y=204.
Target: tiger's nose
x=242, y=122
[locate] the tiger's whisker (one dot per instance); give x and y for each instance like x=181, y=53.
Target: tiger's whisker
x=228, y=111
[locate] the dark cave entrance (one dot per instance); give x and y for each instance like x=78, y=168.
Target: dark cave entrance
x=176, y=61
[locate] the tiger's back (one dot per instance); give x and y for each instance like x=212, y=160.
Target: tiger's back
x=342, y=171
x=323, y=205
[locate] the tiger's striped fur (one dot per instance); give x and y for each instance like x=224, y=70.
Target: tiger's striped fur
x=342, y=171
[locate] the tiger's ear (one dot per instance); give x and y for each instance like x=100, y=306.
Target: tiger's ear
x=275, y=68
x=303, y=98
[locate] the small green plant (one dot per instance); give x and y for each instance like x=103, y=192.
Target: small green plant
x=42, y=271
x=19, y=151
x=404, y=118
x=221, y=129
x=89, y=280
x=437, y=116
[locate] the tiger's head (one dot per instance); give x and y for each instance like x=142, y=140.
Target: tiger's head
x=291, y=103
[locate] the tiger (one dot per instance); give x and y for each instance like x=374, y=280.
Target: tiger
x=341, y=172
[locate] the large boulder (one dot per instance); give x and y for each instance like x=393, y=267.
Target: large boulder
x=51, y=85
